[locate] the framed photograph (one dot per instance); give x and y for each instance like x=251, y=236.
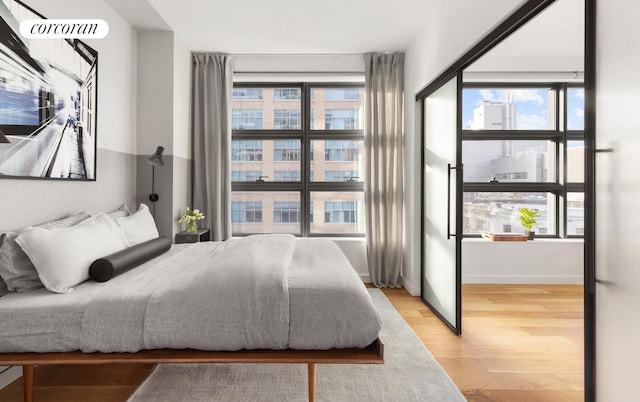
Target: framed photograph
x=48, y=102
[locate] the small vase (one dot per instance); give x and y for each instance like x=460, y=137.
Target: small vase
x=192, y=226
x=530, y=234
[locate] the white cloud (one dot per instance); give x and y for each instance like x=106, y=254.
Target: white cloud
x=578, y=93
x=519, y=95
x=488, y=94
x=577, y=112
x=525, y=95
x=532, y=122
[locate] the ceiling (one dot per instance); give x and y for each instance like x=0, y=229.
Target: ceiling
x=297, y=26
x=552, y=42
x=558, y=30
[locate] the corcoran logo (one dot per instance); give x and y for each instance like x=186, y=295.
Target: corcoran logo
x=69, y=29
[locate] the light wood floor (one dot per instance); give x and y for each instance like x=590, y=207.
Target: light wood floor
x=519, y=343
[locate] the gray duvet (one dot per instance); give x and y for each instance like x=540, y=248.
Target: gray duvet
x=258, y=292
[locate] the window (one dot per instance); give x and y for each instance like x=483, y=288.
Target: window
x=341, y=151
x=495, y=107
x=305, y=143
x=265, y=211
x=523, y=146
x=245, y=175
x=286, y=94
x=499, y=212
x=575, y=214
x=286, y=150
x=286, y=212
x=575, y=109
x=342, y=94
x=246, y=211
x=246, y=150
x=287, y=175
x=337, y=161
x=336, y=108
x=509, y=161
x=341, y=175
x=246, y=119
x=340, y=212
x=286, y=119
x=341, y=119
x=246, y=94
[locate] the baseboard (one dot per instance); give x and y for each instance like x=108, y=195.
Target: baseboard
x=413, y=289
x=366, y=278
x=10, y=375
x=523, y=280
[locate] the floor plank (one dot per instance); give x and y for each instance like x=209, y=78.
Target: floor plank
x=520, y=343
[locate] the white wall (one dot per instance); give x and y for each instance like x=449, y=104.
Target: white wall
x=181, y=130
x=155, y=91
x=439, y=44
x=42, y=200
x=181, y=99
x=164, y=119
x=542, y=261
x=356, y=252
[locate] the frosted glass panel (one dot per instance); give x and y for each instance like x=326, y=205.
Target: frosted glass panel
x=439, y=281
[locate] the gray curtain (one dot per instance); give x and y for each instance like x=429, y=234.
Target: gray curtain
x=384, y=166
x=211, y=180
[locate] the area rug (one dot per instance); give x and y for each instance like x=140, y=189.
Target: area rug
x=410, y=373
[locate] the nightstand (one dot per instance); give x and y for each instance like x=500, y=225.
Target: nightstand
x=200, y=235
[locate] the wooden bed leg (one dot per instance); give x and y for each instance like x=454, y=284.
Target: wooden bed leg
x=311, y=371
x=28, y=374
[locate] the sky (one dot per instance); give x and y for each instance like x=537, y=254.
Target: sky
x=532, y=106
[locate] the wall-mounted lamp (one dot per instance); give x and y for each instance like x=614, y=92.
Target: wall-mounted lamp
x=3, y=139
x=155, y=160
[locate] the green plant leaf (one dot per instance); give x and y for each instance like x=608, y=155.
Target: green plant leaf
x=527, y=217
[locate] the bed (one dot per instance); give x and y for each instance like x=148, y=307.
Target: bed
x=265, y=298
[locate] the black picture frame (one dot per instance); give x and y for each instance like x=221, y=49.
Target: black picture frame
x=48, y=103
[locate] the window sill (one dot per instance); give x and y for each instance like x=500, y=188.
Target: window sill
x=537, y=240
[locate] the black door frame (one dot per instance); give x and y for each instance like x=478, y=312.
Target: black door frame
x=516, y=20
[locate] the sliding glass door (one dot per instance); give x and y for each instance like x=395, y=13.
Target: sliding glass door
x=442, y=196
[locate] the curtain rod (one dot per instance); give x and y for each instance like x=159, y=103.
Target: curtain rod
x=300, y=72
x=295, y=54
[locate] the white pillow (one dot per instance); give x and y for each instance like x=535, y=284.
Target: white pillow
x=119, y=212
x=139, y=226
x=62, y=256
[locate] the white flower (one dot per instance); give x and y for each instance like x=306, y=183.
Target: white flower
x=191, y=215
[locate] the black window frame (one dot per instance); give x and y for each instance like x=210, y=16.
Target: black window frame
x=305, y=134
x=559, y=135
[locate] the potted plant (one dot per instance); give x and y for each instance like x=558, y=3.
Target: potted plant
x=528, y=221
x=191, y=218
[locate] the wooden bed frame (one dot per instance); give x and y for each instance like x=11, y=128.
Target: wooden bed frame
x=372, y=354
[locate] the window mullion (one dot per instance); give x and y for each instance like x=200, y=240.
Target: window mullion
x=488, y=202
x=262, y=113
x=305, y=196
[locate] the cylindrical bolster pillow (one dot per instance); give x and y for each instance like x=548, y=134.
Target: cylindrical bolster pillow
x=105, y=268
